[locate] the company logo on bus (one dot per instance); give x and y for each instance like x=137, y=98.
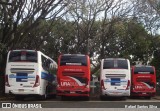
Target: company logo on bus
x=65, y=83
x=138, y=87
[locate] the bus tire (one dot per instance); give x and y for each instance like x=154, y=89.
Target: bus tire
x=86, y=98
x=148, y=97
x=102, y=98
x=123, y=98
x=53, y=96
x=19, y=97
x=44, y=97
x=63, y=98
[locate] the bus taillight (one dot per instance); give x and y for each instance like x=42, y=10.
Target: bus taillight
x=6, y=81
x=102, y=85
x=37, y=81
x=128, y=85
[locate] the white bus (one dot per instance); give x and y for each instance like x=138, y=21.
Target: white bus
x=30, y=72
x=115, y=78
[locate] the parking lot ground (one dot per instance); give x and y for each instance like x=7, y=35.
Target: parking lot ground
x=92, y=98
x=8, y=97
x=156, y=97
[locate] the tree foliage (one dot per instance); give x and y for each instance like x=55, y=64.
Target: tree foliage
x=20, y=20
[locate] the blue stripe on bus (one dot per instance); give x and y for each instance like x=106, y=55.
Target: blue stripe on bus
x=24, y=77
x=46, y=76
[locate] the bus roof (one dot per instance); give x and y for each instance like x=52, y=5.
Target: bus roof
x=115, y=59
x=142, y=66
x=23, y=50
x=73, y=55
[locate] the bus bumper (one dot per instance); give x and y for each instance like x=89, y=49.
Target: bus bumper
x=20, y=91
x=115, y=93
x=72, y=93
x=135, y=93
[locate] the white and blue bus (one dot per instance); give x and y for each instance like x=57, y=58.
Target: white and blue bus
x=30, y=72
x=115, y=77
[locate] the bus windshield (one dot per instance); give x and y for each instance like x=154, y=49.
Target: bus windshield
x=119, y=64
x=20, y=56
x=73, y=60
x=143, y=70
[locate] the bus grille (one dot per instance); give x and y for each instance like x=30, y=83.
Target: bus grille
x=15, y=70
x=115, y=75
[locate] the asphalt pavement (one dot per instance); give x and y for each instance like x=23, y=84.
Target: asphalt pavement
x=95, y=104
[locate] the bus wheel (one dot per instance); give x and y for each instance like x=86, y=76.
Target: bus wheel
x=44, y=97
x=87, y=98
x=148, y=97
x=19, y=97
x=123, y=98
x=102, y=98
x=53, y=95
x=63, y=98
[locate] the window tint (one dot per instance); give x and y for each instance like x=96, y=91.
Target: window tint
x=143, y=70
x=27, y=56
x=121, y=64
x=73, y=60
x=108, y=64
x=46, y=63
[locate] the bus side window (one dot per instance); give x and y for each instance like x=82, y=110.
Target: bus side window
x=51, y=67
x=44, y=63
x=47, y=63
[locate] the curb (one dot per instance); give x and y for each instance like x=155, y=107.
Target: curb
x=6, y=98
x=156, y=98
x=92, y=98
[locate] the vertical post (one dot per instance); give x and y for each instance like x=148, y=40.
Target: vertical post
x=93, y=86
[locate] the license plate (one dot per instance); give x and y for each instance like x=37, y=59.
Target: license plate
x=115, y=92
x=21, y=90
x=143, y=93
x=72, y=92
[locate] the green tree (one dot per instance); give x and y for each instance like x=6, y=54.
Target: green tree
x=18, y=18
x=155, y=62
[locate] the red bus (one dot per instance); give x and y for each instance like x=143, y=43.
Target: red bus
x=143, y=81
x=73, y=75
